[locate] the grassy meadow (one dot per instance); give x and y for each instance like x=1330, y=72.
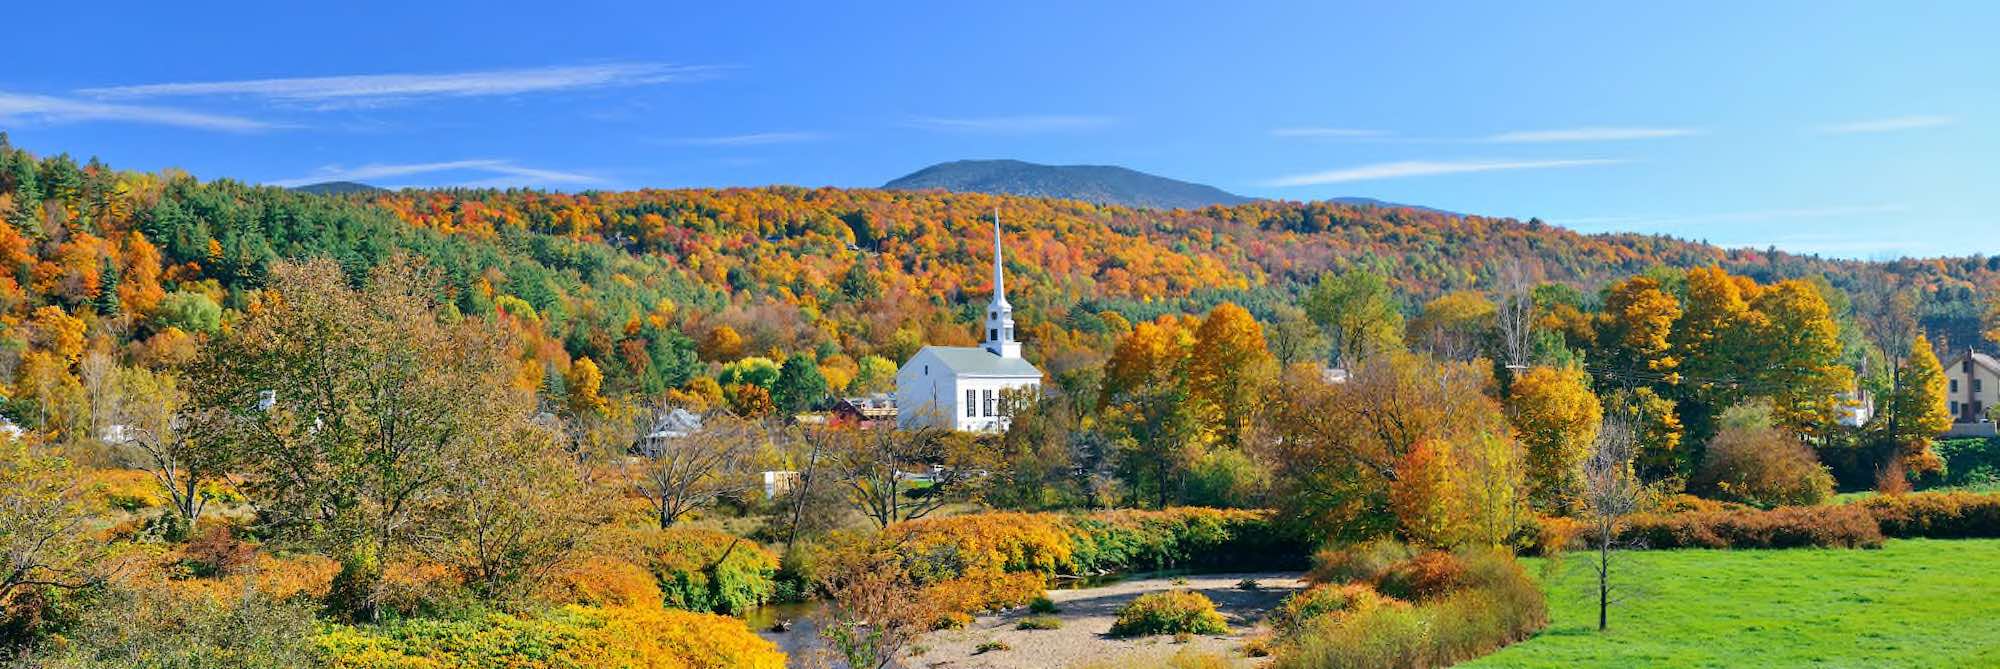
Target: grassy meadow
x=1913, y=603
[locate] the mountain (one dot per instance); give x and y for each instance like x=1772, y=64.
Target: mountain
x=1102, y=184
x=337, y=188
x=1372, y=202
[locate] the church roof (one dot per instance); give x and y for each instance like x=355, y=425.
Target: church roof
x=978, y=361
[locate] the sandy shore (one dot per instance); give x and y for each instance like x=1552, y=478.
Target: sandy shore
x=1087, y=616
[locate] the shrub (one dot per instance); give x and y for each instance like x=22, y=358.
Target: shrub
x=1936, y=515
x=1358, y=563
x=708, y=570
x=1043, y=605
x=958, y=599
x=1249, y=585
x=1186, y=537
x=572, y=637
x=1425, y=576
x=1323, y=600
x=1169, y=612
x=601, y=581
x=1970, y=462
x=1498, y=605
x=1763, y=466
x=1842, y=526
x=990, y=646
x=1039, y=623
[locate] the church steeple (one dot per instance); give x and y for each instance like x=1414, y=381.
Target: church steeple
x=1000, y=314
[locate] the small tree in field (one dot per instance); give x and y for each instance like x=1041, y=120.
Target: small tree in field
x=681, y=473
x=1610, y=493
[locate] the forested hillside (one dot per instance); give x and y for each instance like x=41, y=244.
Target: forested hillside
x=655, y=286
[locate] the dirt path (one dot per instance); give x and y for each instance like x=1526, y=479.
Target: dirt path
x=1087, y=616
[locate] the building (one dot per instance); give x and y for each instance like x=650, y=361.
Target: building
x=1972, y=383
x=865, y=412
x=970, y=388
x=671, y=425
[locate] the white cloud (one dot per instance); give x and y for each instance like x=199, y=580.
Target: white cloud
x=505, y=172
x=1588, y=134
x=1886, y=124
x=1423, y=168
x=1327, y=133
x=18, y=108
x=1011, y=124
x=363, y=88
x=751, y=139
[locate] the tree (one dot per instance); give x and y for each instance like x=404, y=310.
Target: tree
x=1344, y=448
x=161, y=426
x=1227, y=369
x=799, y=386
x=877, y=374
x=1454, y=325
x=882, y=470
x=513, y=511
x=1610, y=493
x=189, y=311
x=679, y=473
x=1633, y=335
x=44, y=542
x=1358, y=313
x=584, y=384
x=1294, y=338
x=1556, y=417
x=1514, y=317
x=350, y=410
x=1800, y=365
x=1913, y=413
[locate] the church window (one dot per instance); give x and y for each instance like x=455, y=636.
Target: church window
x=993, y=335
x=987, y=400
x=971, y=403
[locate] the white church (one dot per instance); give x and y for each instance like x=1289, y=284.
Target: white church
x=970, y=388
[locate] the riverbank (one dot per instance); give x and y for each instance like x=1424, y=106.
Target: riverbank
x=1086, y=616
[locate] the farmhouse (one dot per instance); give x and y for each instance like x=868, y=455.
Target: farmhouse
x=970, y=388
x=1972, y=383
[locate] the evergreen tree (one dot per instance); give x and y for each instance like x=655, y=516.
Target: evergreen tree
x=799, y=386
x=107, y=289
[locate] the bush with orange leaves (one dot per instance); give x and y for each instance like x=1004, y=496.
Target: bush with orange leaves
x=1936, y=515
x=601, y=581
x=571, y=637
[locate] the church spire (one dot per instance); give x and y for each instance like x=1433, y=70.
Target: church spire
x=999, y=277
x=1000, y=314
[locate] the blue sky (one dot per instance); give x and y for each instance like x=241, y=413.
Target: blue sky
x=1860, y=130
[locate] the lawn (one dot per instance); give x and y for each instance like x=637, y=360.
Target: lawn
x=1913, y=603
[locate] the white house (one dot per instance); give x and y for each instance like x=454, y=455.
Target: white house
x=969, y=388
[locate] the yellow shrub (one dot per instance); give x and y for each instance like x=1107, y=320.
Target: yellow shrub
x=572, y=637
x=127, y=489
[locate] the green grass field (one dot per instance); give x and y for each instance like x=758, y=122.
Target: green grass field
x=1914, y=603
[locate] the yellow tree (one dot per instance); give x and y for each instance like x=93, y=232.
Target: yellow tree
x=1227, y=370
x=1556, y=417
x=585, y=384
x=1635, y=327
x=1450, y=327
x=1915, y=413
x=1712, y=336
x=1800, y=349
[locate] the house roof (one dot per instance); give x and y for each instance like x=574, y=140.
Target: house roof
x=975, y=361
x=879, y=405
x=1983, y=360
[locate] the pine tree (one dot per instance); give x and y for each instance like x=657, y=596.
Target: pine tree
x=107, y=290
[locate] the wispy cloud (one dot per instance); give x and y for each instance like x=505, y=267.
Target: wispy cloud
x=1588, y=134
x=1012, y=124
x=1588, y=223
x=1891, y=124
x=504, y=173
x=751, y=139
x=365, y=88
x=1424, y=168
x=19, y=108
x=1328, y=133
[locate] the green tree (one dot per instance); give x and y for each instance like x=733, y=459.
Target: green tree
x=1358, y=313
x=799, y=386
